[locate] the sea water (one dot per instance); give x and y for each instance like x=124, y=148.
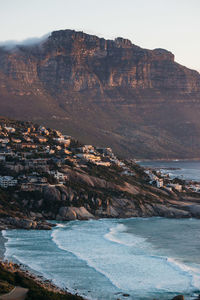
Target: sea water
x=188, y=170
x=138, y=258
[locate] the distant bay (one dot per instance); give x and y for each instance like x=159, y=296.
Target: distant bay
x=187, y=170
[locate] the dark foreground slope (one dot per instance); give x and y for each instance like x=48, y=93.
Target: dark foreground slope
x=11, y=275
x=105, y=92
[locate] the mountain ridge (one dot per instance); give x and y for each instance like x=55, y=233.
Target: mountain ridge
x=106, y=92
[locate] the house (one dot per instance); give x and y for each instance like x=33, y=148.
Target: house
x=42, y=139
x=177, y=187
x=62, y=140
x=43, y=130
x=7, y=181
x=28, y=145
x=61, y=177
x=106, y=152
x=4, y=141
x=28, y=139
x=10, y=129
x=195, y=188
x=17, y=167
x=67, y=151
x=159, y=183
x=5, y=152
x=37, y=161
x=29, y=187
x=128, y=173
x=86, y=149
x=103, y=163
x=16, y=141
x=89, y=157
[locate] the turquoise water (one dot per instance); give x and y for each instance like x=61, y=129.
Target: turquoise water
x=188, y=170
x=153, y=258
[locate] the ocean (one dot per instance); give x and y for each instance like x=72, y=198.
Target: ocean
x=188, y=170
x=137, y=258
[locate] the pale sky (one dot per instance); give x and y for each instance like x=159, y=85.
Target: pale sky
x=170, y=24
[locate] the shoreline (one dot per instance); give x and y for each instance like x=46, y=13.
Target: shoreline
x=166, y=159
x=27, y=272
x=43, y=282
x=2, y=246
x=35, y=283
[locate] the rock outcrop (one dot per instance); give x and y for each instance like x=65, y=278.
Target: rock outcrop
x=73, y=213
x=109, y=200
x=22, y=223
x=105, y=92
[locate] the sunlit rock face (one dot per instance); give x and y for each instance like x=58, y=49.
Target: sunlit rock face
x=109, y=92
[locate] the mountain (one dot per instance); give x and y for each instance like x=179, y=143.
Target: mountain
x=105, y=92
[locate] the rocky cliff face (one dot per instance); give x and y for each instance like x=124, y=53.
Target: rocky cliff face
x=106, y=92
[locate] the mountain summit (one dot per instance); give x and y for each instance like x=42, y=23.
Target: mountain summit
x=106, y=92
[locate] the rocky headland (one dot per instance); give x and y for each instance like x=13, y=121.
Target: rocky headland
x=47, y=176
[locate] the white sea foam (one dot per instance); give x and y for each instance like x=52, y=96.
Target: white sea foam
x=193, y=272
x=119, y=235
x=61, y=225
x=145, y=270
x=8, y=242
x=128, y=262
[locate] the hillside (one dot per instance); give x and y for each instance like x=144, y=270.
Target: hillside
x=105, y=92
x=47, y=175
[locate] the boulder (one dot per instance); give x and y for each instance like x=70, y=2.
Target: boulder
x=195, y=210
x=51, y=193
x=73, y=213
x=15, y=222
x=67, y=213
x=179, y=297
x=170, y=212
x=112, y=212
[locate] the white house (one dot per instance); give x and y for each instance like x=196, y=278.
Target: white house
x=61, y=177
x=159, y=183
x=6, y=181
x=4, y=141
x=10, y=129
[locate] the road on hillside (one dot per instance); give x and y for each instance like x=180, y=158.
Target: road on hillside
x=18, y=293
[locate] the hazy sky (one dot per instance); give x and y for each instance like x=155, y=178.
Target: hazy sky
x=169, y=24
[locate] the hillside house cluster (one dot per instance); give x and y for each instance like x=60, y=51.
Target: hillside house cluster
x=33, y=156
x=164, y=181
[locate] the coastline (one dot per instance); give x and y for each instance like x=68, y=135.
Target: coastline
x=2, y=246
x=28, y=274
x=166, y=159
